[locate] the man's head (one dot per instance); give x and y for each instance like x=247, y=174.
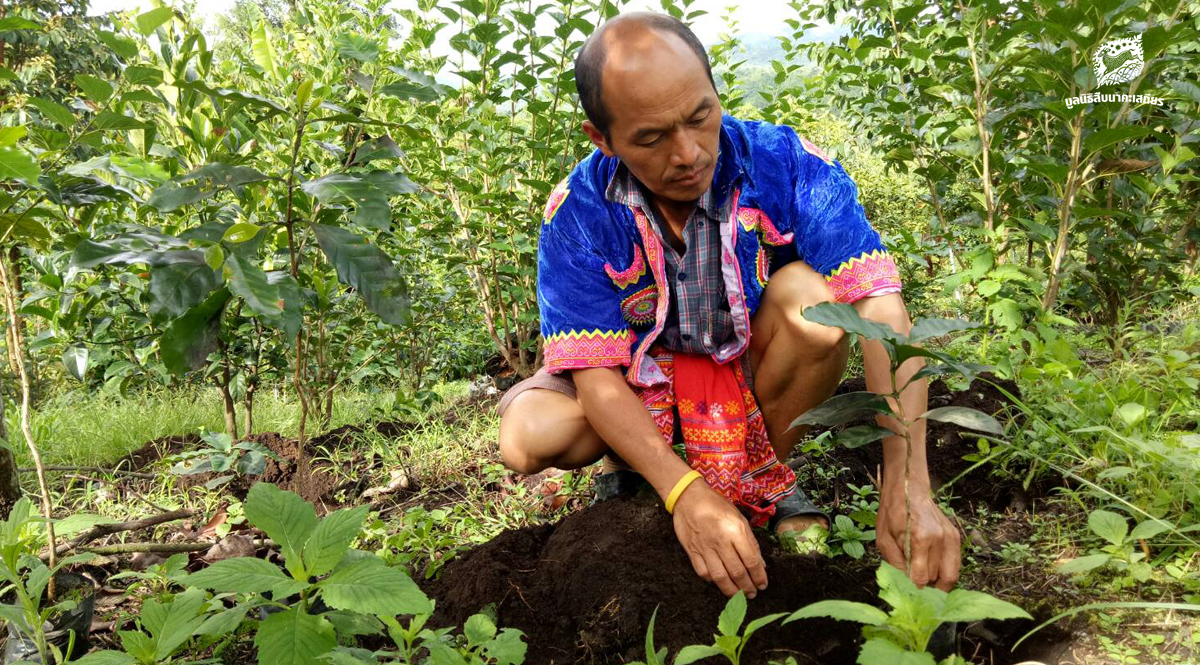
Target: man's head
x=646, y=86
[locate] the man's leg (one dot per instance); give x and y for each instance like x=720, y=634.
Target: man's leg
x=543, y=428
x=797, y=364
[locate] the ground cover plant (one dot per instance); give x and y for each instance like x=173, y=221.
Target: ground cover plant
x=264, y=280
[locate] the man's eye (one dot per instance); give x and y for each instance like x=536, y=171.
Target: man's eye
x=699, y=121
x=650, y=144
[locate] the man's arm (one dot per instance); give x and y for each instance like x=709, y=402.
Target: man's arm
x=716, y=537
x=936, y=543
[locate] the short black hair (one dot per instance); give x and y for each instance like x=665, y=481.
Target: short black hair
x=589, y=63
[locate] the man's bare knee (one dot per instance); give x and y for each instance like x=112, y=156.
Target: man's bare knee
x=543, y=428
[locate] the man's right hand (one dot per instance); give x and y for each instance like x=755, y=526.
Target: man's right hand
x=718, y=540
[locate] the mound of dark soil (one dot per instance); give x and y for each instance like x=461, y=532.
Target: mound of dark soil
x=583, y=591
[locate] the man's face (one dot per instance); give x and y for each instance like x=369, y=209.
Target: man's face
x=666, y=118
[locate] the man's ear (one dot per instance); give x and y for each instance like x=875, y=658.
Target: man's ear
x=597, y=138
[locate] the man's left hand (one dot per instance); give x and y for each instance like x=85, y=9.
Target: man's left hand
x=936, y=543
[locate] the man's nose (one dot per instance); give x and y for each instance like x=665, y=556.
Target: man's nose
x=685, y=150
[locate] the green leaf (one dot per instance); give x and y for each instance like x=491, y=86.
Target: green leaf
x=18, y=23
x=141, y=75
x=241, y=232
x=1006, y=312
x=294, y=637
x=331, y=539
x=16, y=164
x=366, y=584
x=10, y=135
x=370, y=203
x=1132, y=413
x=507, y=648
x=187, y=341
x=245, y=574
x=75, y=358
x=122, y=46
x=201, y=184
x=733, y=615
x=286, y=518
x=1083, y=564
x=695, y=652
x=479, y=629
x=97, y=89
x=149, y=21
x=177, y=287
x=840, y=409
x=173, y=623
x=879, y=650
x=107, y=120
x=1105, y=137
x=842, y=610
x=366, y=268
x=223, y=622
x=54, y=111
x=1149, y=529
x=106, y=657
x=292, y=316
x=262, y=50
x=926, y=328
x=964, y=416
x=861, y=435
x=356, y=47
x=844, y=316
x=964, y=605
x=1109, y=526
x=247, y=280
x=753, y=626
x=381, y=148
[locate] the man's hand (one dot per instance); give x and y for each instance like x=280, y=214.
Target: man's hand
x=936, y=543
x=718, y=540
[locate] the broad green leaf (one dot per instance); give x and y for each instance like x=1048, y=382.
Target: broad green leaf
x=247, y=280
x=177, y=287
x=370, y=203
x=988, y=288
x=507, y=648
x=842, y=610
x=731, y=618
x=54, y=111
x=16, y=164
x=844, y=316
x=331, y=539
x=861, y=435
x=381, y=148
x=106, y=657
x=201, y=184
x=1149, y=529
x=97, y=89
x=187, y=341
x=223, y=622
x=75, y=358
x=964, y=605
x=695, y=652
x=840, y=409
x=18, y=23
x=122, y=46
x=292, y=316
x=1131, y=413
x=141, y=75
x=149, y=21
x=245, y=574
x=479, y=629
x=285, y=517
x=1006, y=312
x=1108, y=525
x=175, y=622
x=926, y=328
x=366, y=268
x=366, y=584
x=262, y=50
x=1083, y=564
x=10, y=135
x=879, y=650
x=294, y=637
x=1105, y=137
x=964, y=416
x=356, y=47
x=241, y=232
x=753, y=626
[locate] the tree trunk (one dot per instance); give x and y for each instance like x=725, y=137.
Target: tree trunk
x=248, y=413
x=227, y=397
x=10, y=484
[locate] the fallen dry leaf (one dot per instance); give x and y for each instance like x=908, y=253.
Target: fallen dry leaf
x=398, y=481
x=232, y=546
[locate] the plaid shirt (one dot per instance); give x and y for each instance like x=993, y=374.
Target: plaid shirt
x=698, y=320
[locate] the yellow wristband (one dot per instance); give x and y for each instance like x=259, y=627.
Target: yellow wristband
x=679, y=487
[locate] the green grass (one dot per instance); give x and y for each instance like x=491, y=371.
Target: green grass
x=77, y=429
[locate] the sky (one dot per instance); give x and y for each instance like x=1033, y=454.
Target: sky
x=753, y=16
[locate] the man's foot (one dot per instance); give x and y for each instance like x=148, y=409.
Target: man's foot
x=804, y=534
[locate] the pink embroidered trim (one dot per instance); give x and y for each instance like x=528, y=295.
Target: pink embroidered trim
x=870, y=273
x=658, y=269
x=639, y=308
x=815, y=151
x=629, y=276
x=762, y=267
x=589, y=348
x=753, y=218
x=557, y=196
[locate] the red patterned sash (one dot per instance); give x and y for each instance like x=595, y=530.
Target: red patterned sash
x=724, y=434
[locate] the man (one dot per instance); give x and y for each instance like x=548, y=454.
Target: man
x=655, y=256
